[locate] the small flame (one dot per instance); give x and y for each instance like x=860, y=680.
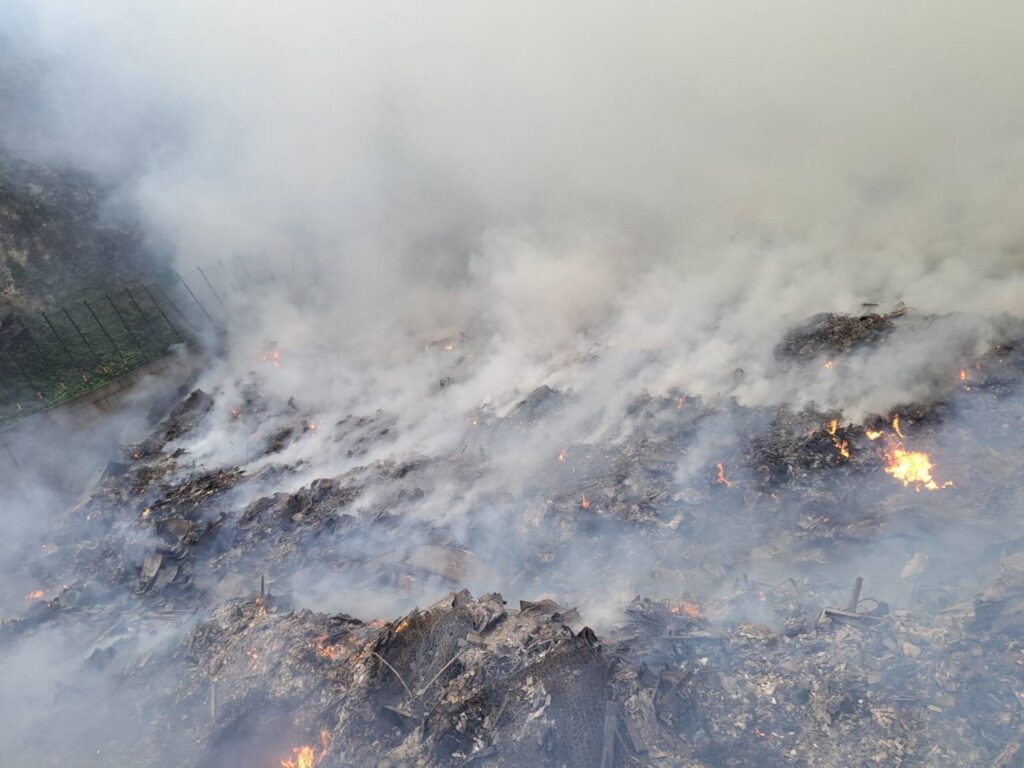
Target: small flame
x=829, y=365
x=680, y=401
x=963, y=374
x=872, y=434
x=37, y=594
x=328, y=651
x=687, y=608
x=313, y=426
x=449, y=347
x=896, y=425
x=585, y=503
x=561, y=455
x=842, y=444
x=235, y=413
x=146, y=512
x=274, y=358
x=913, y=468
x=402, y=626
x=721, y=479
x=307, y=756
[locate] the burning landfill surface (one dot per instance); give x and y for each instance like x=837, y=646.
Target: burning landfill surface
x=801, y=590
x=552, y=384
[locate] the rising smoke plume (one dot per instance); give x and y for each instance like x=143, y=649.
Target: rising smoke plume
x=598, y=198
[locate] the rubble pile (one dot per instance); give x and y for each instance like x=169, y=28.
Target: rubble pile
x=815, y=592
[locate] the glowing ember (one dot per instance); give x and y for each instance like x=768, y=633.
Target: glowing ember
x=687, y=608
x=585, y=503
x=274, y=358
x=913, y=468
x=561, y=455
x=327, y=651
x=872, y=434
x=35, y=595
x=721, y=479
x=896, y=425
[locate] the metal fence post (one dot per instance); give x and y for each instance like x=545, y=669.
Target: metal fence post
x=103, y=328
x=120, y=317
x=81, y=335
x=60, y=340
x=149, y=325
x=162, y=313
x=199, y=303
x=170, y=301
x=216, y=295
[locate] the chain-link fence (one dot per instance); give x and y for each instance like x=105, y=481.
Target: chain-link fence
x=53, y=355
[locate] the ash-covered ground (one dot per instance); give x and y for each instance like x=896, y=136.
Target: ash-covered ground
x=621, y=385
x=669, y=579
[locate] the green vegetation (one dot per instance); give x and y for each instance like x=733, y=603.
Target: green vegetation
x=55, y=354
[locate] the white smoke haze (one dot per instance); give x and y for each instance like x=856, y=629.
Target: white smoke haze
x=604, y=198
x=601, y=199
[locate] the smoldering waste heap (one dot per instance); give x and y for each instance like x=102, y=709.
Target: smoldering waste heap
x=183, y=586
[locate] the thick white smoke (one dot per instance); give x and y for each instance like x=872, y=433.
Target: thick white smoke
x=597, y=196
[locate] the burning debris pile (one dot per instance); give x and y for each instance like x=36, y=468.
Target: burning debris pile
x=742, y=529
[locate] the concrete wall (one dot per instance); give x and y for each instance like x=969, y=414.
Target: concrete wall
x=58, y=427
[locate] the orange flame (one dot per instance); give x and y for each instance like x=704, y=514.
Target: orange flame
x=872, y=434
x=913, y=468
x=327, y=651
x=585, y=503
x=307, y=756
x=896, y=425
x=963, y=374
x=721, y=478
x=37, y=594
x=842, y=444
x=687, y=608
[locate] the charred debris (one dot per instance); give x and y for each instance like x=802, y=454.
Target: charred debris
x=756, y=644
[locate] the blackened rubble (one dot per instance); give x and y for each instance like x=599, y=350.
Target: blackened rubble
x=751, y=644
x=830, y=333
